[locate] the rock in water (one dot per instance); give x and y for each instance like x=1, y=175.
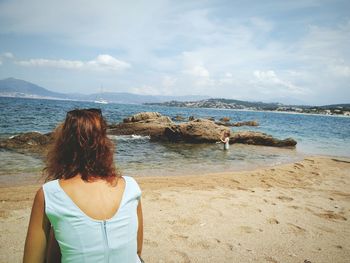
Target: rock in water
x=159, y=128
x=150, y=124
x=146, y=116
x=259, y=138
x=196, y=131
x=30, y=142
x=238, y=124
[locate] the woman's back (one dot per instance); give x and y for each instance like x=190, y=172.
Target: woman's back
x=99, y=199
x=91, y=225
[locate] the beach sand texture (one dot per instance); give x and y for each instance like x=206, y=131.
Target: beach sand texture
x=297, y=212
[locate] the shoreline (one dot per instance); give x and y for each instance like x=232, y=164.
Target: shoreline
x=143, y=104
x=286, y=213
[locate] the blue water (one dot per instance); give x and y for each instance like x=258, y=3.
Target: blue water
x=315, y=134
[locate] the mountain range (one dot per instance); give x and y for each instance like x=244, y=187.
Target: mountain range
x=12, y=87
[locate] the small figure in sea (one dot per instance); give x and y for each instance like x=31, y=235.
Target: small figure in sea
x=225, y=139
x=87, y=211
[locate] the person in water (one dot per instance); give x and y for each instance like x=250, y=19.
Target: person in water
x=95, y=213
x=225, y=139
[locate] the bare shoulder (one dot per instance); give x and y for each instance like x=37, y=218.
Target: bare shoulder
x=39, y=198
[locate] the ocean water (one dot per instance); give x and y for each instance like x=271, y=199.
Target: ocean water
x=137, y=155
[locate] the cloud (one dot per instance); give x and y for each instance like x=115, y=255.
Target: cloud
x=107, y=62
x=270, y=78
x=189, y=46
x=8, y=55
x=101, y=63
x=198, y=71
x=168, y=81
x=341, y=70
x=61, y=63
x=262, y=24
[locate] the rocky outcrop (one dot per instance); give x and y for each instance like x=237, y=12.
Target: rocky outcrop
x=178, y=118
x=238, y=124
x=147, y=117
x=259, y=138
x=225, y=119
x=30, y=142
x=150, y=124
x=159, y=128
x=196, y=131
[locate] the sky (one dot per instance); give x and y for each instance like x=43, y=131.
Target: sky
x=285, y=51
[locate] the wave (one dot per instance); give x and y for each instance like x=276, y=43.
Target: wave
x=132, y=137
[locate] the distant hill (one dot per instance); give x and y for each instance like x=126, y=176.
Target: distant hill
x=336, y=109
x=20, y=88
x=12, y=87
x=221, y=104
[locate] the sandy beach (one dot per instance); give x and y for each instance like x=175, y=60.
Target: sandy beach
x=298, y=212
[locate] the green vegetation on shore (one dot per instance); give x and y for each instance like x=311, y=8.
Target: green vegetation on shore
x=337, y=109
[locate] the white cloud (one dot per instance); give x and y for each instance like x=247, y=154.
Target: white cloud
x=168, y=81
x=198, y=71
x=107, y=62
x=101, y=63
x=61, y=63
x=341, y=70
x=270, y=80
x=261, y=24
x=8, y=55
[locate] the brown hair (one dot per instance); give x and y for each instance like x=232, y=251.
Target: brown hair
x=81, y=146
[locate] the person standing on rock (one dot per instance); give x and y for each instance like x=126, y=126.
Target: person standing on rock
x=225, y=139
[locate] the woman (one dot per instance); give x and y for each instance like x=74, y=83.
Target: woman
x=226, y=140
x=95, y=213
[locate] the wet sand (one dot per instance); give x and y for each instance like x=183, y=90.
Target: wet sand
x=297, y=212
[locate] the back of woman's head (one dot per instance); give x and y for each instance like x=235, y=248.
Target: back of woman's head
x=81, y=146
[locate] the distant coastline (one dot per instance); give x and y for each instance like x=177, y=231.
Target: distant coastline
x=227, y=104
x=16, y=88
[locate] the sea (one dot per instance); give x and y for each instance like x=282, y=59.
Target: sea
x=138, y=156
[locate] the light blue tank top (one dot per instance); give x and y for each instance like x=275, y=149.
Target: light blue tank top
x=84, y=239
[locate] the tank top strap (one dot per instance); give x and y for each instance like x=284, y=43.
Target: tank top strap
x=50, y=190
x=55, y=201
x=132, y=189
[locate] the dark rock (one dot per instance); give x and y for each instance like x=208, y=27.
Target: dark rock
x=178, y=118
x=191, y=118
x=238, y=124
x=30, y=142
x=259, y=138
x=245, y=123
x=225, y=119
x=150, y=124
